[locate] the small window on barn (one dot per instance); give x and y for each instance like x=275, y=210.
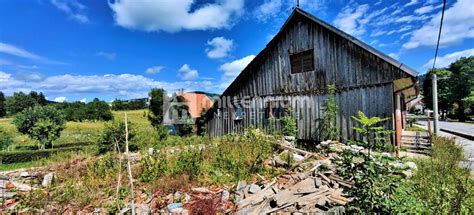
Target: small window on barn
x=302, y=61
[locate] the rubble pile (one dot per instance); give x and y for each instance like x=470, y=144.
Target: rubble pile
x=307, y=183
x=16, y=183
x=314, y=190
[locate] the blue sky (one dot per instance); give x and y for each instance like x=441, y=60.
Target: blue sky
x=80, y=49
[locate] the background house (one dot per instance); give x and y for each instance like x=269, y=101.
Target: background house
x=295, y=69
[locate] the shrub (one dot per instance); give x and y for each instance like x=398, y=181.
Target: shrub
x=328, y=128
x=373, y=134
x=26, y=156
x=5, y=140
x=98, y=110
x=440, y=183
x=26, y=147
x=374, y=178
x=42, y=123
x=113, y=134
x=288, y=123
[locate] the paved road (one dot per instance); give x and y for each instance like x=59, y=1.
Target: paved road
x=468, y=145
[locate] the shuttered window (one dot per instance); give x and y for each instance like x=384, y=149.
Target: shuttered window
x=302, y=61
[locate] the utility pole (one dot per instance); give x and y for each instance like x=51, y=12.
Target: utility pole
x=435, y=104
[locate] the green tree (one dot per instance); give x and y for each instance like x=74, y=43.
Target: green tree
x=42, y=123
x=113, y=135
x=156, y=107
x=444, y=97
x=38, y=97
x=3, y=110
x=462, y=83
x=98, y=110
x=184, y=119
x=19, y=102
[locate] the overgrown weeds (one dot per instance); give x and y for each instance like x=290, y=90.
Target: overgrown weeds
x=440, y=184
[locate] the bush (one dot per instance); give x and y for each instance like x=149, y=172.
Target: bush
x=5, y=140
x=98, y=110
x=230, y=159
x=26, y=147
x=440, y=183
x=328, y=127
x=289, y=124
x=42, y=123
x=26, y=156
x=113, y=134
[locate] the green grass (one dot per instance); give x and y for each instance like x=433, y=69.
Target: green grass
x=54, y=159
x=88, y=131
x=82, y=131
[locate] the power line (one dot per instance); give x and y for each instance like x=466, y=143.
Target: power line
x=439, y=34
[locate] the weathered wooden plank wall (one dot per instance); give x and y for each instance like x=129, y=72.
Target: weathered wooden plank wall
x=309, y=113
x=364, y=81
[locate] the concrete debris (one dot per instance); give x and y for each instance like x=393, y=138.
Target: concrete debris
x=24, y=174
x=241, y=185
x=316, y=188
x=254, y=189
x=48, y=179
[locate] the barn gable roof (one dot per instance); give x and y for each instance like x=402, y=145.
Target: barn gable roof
x=299, y=12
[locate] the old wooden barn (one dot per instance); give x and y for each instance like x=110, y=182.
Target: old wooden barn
x=294, y=70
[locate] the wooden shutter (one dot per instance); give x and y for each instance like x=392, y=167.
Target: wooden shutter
x=302, y=61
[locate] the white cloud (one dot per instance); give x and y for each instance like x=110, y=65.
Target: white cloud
x=220, y=47
x=4, y=77
x=232, y=69
x=84, y=100
x=154, y=69
x=394, y=55
x=350, y=19
x=60, y=99
x=121, y=85
x=457, y=27
x=447, y=59
x=176, y=15
x=412, y=2
x=426, y=9
x=73, y=9
x=19, y=52
x=269, y=9
x=187, y=74
x=107, y=55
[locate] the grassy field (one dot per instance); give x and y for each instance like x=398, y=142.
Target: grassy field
x=88, y=131
x=82, y=131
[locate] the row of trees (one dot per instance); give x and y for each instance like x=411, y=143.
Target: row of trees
x=20, y=101
x=96, y=110
x=134, y=104
x=455, y=89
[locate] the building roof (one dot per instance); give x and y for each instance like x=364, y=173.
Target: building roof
x=299, y=11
